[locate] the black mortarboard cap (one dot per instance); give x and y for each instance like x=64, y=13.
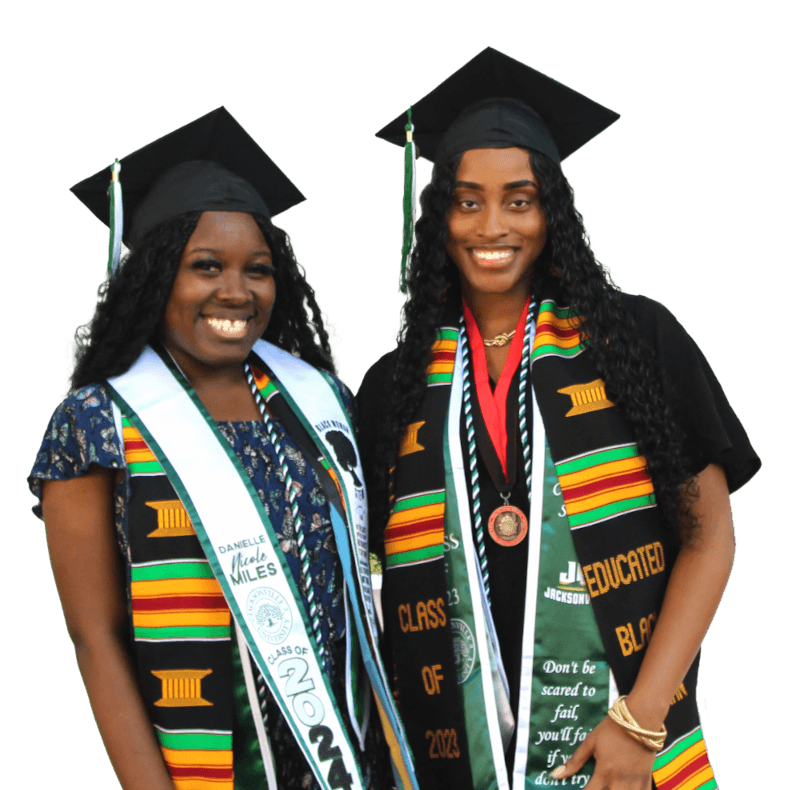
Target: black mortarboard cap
x=495, y=101
x=211, y=164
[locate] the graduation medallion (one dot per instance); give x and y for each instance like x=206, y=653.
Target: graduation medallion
x=508, y=525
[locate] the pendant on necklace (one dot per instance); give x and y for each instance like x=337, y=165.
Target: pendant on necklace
x=507, y=524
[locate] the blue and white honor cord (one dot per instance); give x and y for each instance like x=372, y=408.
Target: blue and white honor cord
x=474, y=482
x=291, y=496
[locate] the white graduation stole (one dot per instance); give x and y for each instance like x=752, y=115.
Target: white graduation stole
x=225, y=509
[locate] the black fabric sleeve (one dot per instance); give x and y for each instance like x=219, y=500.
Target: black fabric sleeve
x=371, y=403
x=713, y=431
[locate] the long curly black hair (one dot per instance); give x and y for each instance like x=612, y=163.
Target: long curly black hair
x=132, y=302
x=624, y=362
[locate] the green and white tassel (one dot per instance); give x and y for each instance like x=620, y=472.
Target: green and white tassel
x=409, y=199
x=114, y=219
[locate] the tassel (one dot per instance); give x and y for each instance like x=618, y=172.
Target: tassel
x=409, y=199
x=114, y=219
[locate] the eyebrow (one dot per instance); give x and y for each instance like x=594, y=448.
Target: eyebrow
x=216, y=252
x=525, y=182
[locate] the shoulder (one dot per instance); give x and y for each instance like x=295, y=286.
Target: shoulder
x=713, y=432
x=338, y=384
x=80, y=433
x=372, y=399
x=343, y=391
x=86, y=409
x=650, y=315
x=377, y=381
x=660, y=329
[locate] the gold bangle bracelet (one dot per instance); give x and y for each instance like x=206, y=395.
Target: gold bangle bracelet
x=650, y=739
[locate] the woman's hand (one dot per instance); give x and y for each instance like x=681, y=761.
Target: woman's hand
x=620, y=762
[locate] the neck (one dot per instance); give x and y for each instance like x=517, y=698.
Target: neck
x=495, y=313
x=223, y=390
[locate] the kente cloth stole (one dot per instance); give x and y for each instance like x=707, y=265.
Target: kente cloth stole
x=619, y=541
x=202, y=547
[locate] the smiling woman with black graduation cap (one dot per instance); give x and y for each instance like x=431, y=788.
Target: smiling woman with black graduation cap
x=549, y=462
x=208, y=446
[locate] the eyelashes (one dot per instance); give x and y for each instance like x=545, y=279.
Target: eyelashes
x=213, y=265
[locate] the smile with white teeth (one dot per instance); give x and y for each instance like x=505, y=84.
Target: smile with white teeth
x=493, y=256
x=227, y=327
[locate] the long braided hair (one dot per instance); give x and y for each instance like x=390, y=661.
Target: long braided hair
x=131, y=303
x=624, y=362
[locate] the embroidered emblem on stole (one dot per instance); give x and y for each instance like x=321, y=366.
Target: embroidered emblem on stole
x=587, y=397
x=410, y=444
x=173, y=520
x=180, y=688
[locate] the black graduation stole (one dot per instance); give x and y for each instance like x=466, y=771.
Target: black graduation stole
x=181, y=628
x=419, y=635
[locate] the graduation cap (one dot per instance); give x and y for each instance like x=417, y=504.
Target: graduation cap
x=211, y=164
x=493, y=101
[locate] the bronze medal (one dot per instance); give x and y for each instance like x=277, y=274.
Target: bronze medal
x=508, y=525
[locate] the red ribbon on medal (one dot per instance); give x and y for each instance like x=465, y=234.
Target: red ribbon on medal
x=507, y=524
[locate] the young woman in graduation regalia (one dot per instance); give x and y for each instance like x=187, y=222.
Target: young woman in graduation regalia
x=549, y=463
x=203, y=498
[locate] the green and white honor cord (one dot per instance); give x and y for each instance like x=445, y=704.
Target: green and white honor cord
x=291, y=495
x=474, y=483
x=523, y=388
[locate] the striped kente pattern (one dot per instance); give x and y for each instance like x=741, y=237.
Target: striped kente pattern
x=605, y=483
x=685, y=766
x=197, y=759
x=332, y=474
x=557, y=332
x=177, y=600
x=440, y=370
x=415, y=532
x=138, y=456
x=263, y=383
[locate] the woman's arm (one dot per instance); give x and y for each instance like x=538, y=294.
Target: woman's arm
x=79, y=517
x=693, y=593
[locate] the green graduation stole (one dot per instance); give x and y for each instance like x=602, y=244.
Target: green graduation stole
x=607, y=498
x=221, y=556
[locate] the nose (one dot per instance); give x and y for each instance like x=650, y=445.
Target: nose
x=493, y=224
x=233, y=287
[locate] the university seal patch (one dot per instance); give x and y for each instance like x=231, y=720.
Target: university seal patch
x=464, y=648
x=269, y=614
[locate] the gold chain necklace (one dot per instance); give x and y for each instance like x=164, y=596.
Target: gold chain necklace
x=500, y=340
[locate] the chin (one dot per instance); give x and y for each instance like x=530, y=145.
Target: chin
x=494, y=285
